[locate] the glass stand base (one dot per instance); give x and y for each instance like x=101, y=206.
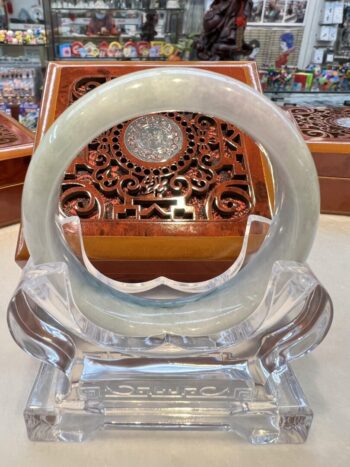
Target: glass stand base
x=208, y=394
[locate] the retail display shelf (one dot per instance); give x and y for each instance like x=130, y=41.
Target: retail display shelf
x=318, y=93
x=115, y=9
x=275, y=25
x=101, y=38
x=23, y=45
x=113, y=59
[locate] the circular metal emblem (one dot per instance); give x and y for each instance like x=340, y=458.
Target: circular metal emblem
x=344, y=122
x=153, y=138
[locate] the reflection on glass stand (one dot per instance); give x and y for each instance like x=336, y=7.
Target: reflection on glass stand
x=86, y=384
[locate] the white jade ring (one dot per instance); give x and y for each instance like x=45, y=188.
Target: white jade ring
x=161, y=90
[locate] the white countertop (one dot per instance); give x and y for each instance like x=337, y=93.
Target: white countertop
x=324, y=376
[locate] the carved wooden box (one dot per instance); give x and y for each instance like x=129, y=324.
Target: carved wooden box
x=16, y=146
x=326, y=131
x=164, y=194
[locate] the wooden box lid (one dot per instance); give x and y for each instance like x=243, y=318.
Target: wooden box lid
x=189, y=206
x=15, y=139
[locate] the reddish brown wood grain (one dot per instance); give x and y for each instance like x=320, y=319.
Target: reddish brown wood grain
x=329, y=143
x=16, y=145
x=335, y=195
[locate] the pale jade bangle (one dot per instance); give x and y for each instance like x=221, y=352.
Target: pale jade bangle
x=174, y=89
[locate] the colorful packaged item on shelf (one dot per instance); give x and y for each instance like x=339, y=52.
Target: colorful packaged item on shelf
x=29, y=114
x=143, y=48
x=345, y=81
x=329, y=80
x=167, y=49
x=92, y=50
x=64, y=50
x=115, y=49
x=278, y=80
x=103, y=49
x=4, y=107
x=155, y=50
x=313, y=78
x=18, y=38
x=28, y=37
x=82, y=52
x=130, y=50
x=75, y=47
x=302, y=81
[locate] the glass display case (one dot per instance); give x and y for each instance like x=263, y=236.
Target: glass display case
x=302, y=50
x=23, y=58
x=310, y=99
x=116, y=29
x=23, y=30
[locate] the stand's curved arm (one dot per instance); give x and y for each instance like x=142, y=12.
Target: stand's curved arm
x=298, y=336
x=299, y=314
x=36, y=333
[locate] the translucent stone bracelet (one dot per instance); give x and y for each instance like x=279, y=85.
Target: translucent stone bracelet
x=159, y=90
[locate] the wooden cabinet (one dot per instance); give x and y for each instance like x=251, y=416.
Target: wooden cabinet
x=326, y=131
x=16, y=146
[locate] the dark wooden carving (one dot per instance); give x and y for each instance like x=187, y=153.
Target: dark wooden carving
x=223, y=30
x=208, y=179
x=326, y=123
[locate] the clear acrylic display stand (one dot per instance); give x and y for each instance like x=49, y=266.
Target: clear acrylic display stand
x=239, y=380
x=217, y=358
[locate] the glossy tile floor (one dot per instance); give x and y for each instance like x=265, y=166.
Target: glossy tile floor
x=324, y=376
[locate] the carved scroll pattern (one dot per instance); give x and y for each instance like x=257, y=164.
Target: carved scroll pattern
x=322, y=123
x=207, y=180
x=6, y=136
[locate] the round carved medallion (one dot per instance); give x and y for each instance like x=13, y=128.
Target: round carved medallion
x=343, y=122
x=153, y=138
